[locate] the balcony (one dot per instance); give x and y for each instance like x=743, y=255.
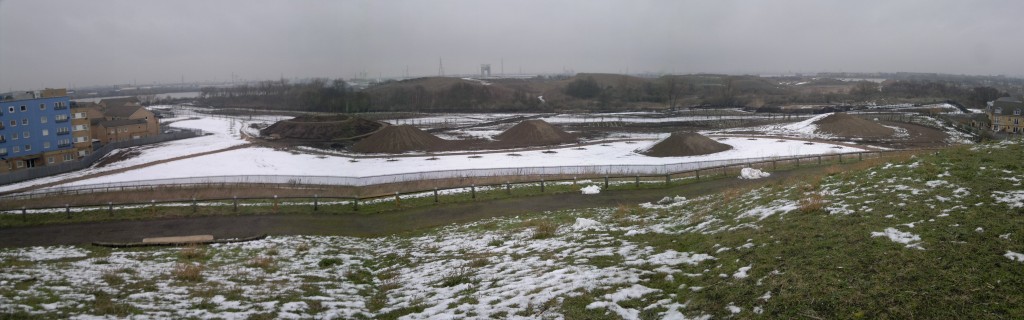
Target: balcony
x=59, y=120
x=63, y=145
x=60, y=107
x=61, y=133
x=2, y=154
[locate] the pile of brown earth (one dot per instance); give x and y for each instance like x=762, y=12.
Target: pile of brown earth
x=534, y=133
x=320, y=128
x=847, y=126
x=682, y=144
x=399, y=139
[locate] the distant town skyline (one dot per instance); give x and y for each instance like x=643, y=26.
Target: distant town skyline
x=64, y=43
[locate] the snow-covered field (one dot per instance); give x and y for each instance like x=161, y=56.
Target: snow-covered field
x=266, y=161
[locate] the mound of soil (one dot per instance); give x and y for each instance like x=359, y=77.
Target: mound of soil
x=320, y=128
x=682, y=144
x=535, y=133
x=398, y=139
x=847, y=126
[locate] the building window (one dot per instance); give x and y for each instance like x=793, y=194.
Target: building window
x=28, y=147
x=25, y=134
x=17, y=149
x=78, y=115
x=79, y=127
x=46, y=144
x=3, y=151
x=68, y=157
x=24, y=121
x=23, y=109
x=49, y=160
x=21, y=164
x=42, y=106
x=1016, y=112
x=999, y=110
x=62, y=117
x=14, y=123
x=46, y=132
x=42, y=119
x=10, y=109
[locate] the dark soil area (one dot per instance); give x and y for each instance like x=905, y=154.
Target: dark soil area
x=375, y=224
x=845, y=125
x=405, y=138
x=398, y=139
x=321, y=128
x=535, y=133
x=682, y=144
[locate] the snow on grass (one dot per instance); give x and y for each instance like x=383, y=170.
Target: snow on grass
x=775, y=207
x=909, y=239
x=44, y=253
x=591, y=189
x=1014, y=256
x=751, y=173
x=1013, y=199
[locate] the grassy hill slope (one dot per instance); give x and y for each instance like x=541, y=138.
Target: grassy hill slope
x=934, y=236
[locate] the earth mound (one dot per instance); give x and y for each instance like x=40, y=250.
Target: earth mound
x=398, y=139
x=847, y=126
x=535, y=133
x=320, y=128
x=682, y=144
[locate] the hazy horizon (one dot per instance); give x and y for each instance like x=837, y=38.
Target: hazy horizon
x=64, y=43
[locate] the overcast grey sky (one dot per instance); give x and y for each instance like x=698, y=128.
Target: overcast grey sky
x=51, y=43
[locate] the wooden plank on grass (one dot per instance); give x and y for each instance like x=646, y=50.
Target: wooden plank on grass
x=180, y=239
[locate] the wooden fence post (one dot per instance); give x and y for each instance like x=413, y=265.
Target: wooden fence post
x=638, y=181
x=110, y=208
x=436, y=199
x=67, y=210
x=606, y=182
x=355, y=204
x=275, y=203
x=236, y=203
x=472, y=189
x=23, y=214
x=152, y=206
x=508, y=187
x=316, y=202
x=668, y=179
x=698, y=174
x=398, y=200
x=542, y=185
x=819, y=160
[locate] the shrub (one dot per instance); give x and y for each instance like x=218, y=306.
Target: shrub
x=329, y=262
x=544, y=229
x=188, y=272
x=262, y=262
x=191, y=252
x=813, y=203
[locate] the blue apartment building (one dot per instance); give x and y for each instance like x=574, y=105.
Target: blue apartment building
x=35, y=129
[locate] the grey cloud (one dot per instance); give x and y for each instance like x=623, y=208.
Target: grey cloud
x=58, y=43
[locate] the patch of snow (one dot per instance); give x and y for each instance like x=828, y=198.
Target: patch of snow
x=751, y=173
x=1014, y=256
x=909, y=239
x=591, y=189
x=585, y=224
x=741, y=273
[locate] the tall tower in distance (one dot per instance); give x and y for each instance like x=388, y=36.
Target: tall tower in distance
x=485, y=69
x=440, y=67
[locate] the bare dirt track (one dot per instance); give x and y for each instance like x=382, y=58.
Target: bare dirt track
x=363, y=225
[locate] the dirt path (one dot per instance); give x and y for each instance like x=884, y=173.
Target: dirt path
x=116, y=171
x=362, y=224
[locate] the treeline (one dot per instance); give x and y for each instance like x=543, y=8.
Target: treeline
x=456, y=97
x=318, y=94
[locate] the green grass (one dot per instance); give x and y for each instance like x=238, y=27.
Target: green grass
x=818, y=261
